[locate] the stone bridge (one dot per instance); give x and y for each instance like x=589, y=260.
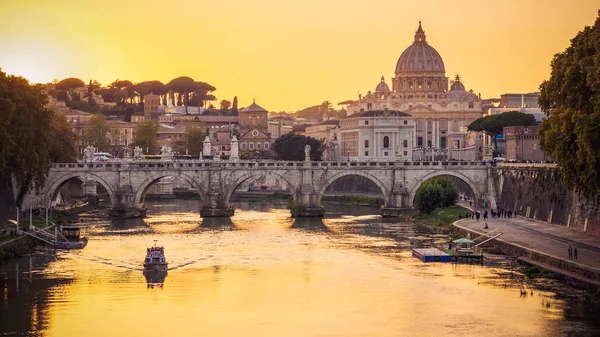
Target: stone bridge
x=127, y=182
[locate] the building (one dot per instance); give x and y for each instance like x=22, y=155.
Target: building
x=151, y=103
x=322, y=131
x=378, y=135
x=280, y=126
x=529, y=100
x=420, y=89
x=522, y=144
x=254, y=131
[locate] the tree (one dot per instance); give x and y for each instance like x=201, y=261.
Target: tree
x=95, y=133
x=146, y=136
x=571, y=99
x=492, y=125
x=69, y=85
x=225, y=104
x=234, y=108
x=64, y=141
x=429, y=197
x=435, y=193
x=25, y=138
x=194, y=137
x=291, y=147
x=183, y=86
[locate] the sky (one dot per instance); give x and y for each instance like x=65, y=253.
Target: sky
x=287, y=54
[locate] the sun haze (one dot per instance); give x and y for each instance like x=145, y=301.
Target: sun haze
x=287, y=54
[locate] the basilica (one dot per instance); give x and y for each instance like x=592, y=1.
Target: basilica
x=420, y=89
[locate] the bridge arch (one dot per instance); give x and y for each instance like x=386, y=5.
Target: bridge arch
x=384, y=190
x=58, y=184
x=464, y=178
x=244, y=177
x=140, y=191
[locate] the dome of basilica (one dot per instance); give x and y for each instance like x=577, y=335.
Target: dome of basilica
x=420, y=56
x=382, y=86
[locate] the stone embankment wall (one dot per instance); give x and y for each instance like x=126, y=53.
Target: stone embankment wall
x=539, y=193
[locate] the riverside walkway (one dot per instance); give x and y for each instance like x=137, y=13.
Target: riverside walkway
x=544, y=244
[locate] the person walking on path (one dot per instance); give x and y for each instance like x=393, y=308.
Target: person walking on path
x=575, y=253
x=570, y=253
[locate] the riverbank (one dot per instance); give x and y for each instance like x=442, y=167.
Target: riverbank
x=441, y=219
x=543, y=245
x=12, y=246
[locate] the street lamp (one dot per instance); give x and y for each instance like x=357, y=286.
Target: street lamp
x=348, y=155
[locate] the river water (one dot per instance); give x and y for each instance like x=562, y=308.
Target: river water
x=262, y=273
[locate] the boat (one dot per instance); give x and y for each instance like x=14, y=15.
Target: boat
x=155, y=260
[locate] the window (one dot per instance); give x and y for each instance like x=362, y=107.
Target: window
x=366, y=153
x=405, y=122
x=419, y=141
x=366, y=143
x=266, y=146
x=251, y=146
x=470, y=105
x=405, y=153
x=258, y=146
x=385, y=153
x=386, y=142
x=443, y=142
x=429, y=143
x=366, y=122
x=405, y=143
x=420, y=124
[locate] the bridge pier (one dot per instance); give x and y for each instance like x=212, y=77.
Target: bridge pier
x=215, y=205
x=90, y=191
x=397, y=203
x=124, y=206
x=307, y=204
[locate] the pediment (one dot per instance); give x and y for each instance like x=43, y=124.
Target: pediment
x=419, y=108
x=255, y=133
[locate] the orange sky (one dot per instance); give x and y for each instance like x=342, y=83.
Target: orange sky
x=289, y=54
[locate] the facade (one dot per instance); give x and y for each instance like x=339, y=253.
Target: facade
x=151, y=103
x=529, y=100
x=322, y=131
x=522, y=144
x=280, y=126
x=377, y=135
x=254, y=131
x=420, y=89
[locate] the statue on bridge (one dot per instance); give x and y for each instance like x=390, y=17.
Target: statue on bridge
x=306, y=152
x=88, y=154
x=137, y=153
x=166, y=153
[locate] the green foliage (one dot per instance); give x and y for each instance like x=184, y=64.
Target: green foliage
x=146, y=134
x=234, y=107
x=441, y=218
x=26, y=134
x=69, y=84
x=95, y=134
x=538, y=272
x=435, y=193
x=492, y=125
x=194, y=137
x=291, y=147
x=225, y=104
x=63, y=147
x=571, y=98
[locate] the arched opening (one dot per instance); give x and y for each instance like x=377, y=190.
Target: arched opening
x=260, y=187
x=386, y=142
x=348, y=190
x=159, y=187
x=75, y=191
x=463, y=186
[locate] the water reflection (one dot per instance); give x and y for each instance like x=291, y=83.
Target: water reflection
x=263, y=273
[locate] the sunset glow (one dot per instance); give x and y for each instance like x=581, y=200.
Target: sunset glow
x=287, y=54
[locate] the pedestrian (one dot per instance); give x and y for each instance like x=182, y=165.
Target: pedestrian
x=486, y=226
x=470, y=203
x=575, y=253
x=570, y=253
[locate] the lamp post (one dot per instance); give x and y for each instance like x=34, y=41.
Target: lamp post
x=347, y=155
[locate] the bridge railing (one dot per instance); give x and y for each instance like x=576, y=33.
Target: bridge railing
x=247, y=164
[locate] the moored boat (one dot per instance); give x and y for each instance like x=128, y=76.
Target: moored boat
x=155, y=259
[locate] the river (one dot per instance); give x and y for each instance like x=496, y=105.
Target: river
x=262, y=273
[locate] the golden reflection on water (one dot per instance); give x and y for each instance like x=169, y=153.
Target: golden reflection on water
x=260, y=277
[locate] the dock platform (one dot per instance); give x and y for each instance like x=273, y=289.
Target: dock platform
x=431, y=255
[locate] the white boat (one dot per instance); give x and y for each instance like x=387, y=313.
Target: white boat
x=155, y=259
